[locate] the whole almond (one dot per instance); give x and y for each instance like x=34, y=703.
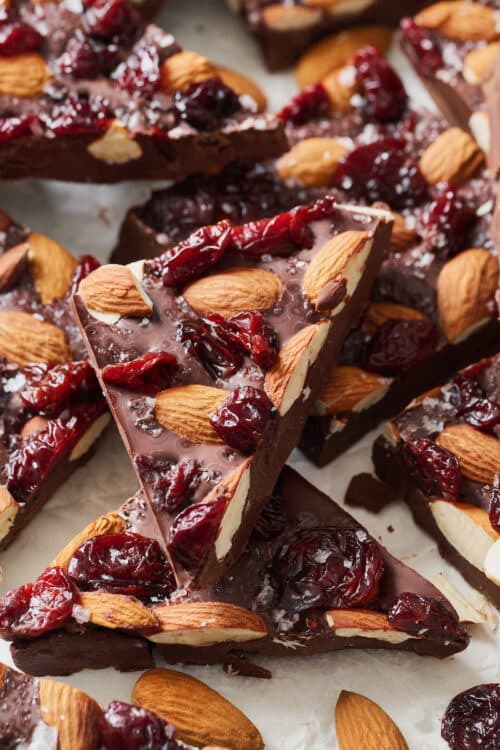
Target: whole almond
x=24, y=339
x=186, y=411
x=51, y=266
x=479, y=62
x=341, y=85
x=466, y=290
x=113, y=289
x=352, y=389
x=233, y=291
x=74, y=714
x=361, y=723
x=379, y=313
x=111, y=523
x=402, y=236
x=312, y=162
x=24, y=75
x=477, y=452
x=243, y=86
x=200, y=715
x=280, y=17
x=12, y=266
x=460, y=19
x=453, y=157
x=114, y=611
x=186, y=67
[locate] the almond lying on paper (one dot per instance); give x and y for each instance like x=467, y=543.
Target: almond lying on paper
x=243, y=86
x=12, y=265
x=361, y=723
x=379, y=313
x=51, y=267
x=477, y=452
x=117, y=611
x=200, y=715
x=402, y=236
x=466, y=290
x=111, y=523
x=25, y=339
x=233, y=291
x=75, y=715
x=468, y=21
x=364, y=623
x=204, y=623
x=479, y=62
x=23, y=75
x=9, y=508
x=114, y=289
x=453, y=157
x=341, y=85
x=186, y=411
x=352, y=389
x=280, y=17
x=466, y=528
x=312, y=162
x=180, y=70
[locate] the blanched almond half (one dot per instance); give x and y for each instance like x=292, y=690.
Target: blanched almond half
x=477, y=452
x=9, y=508
x=24, y=339
x=23, y=75
x=233, y=291
x=75, y=715
x=460, y=19
x=89, y=437
x=243, y=86
x=280, y=17
x=114, y=290
x=117, y=611
x=478, y=63
x=474, y=609
x=361, y=723
x=200, y=715
x=364, y=623
x=454, y=157
x=51, y=266
x=186, y=411
x=379, y=313
x=235, y=487
x=12, y=265
x=465, y=528
x=116, y=146
x=352, y=389
x=492, y=563
x=312, y=162
x=111, y=523
x=180, y=70
x=205, y=623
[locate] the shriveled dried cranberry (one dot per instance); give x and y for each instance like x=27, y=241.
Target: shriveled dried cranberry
x=328, y=567
x=49, y=389
x=141, y=72
x=257, y=337
x=421, y=615
x=399, y=345
x=448, y=222
x=494, y=509
x=472, y=719
x=86, y=264
x=194, y=531
x=472, y=405
x=171, y=485
x=201, y=251
x=35, y=608
x=434, y=468
x=17, y=37
x=204, y=104
x=280, y=235
x=79, y=60
x=271, y=521
x=123, y=563
x=382, y=171
x=310, y=104
x=243, y=417
x=15, y=127
x=426, y=55
x=109, y=18
x=381, y=86
x=127, y=727
x=148, y=373
x=77, y=116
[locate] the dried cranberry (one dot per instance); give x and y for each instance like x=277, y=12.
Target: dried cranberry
x=448, y=222
x=421, y=615
x=271, y=521
x=49, y=389
x=198, y=253
x=194, y=531
x=494, y=509
x=171, y=485
x=257, y=337
x=425, y=53
x=127, y=727
x=141, y=72
x=35, y=608
x=110, y=18
x=472, y=404
x=434, y=468
x=280, y=235
x=310, y=104
x=204, y=104
x=472, y=719
x=381, y=86
x=148, y=373
x=399, y=345
x=123, y=563
x=79, y=59
x=15, y=127
x=17, y=37
x=382, y=171
x=243, y=417
x=77, y=116
x=328, y=567
x=86, y=264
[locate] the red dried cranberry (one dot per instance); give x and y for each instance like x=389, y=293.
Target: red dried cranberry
x=194, y=531
x=127, y=727
x=382, y=171
x=77, y=116
x=141, y=72
x=434, y=468
x=18, y=37
x=381, y=86
x=328, y=567
x=15, y=127
x=448, y=223
x=421, y=615
x=198, y=253
x=123, y=563
x=35, y=608
x=472, y=719
x=425, y=54
x=86, y=264
x=310, y=104
x=271, y=521
x=243, y=417
x=148, y=373
x=399, y=345
x=49, y=389
x=171, y=485
x=473, y=406
x=494, y=509
x=110, y=18
x=257, y=337
x=280, y=235
x=204, y=104
x=79, y=59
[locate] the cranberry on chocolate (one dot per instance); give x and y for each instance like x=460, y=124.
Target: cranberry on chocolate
x=111, y=18
x=148, y=373
x=310, y=104
x=434, y=468
x=127, y=727
x=15, y=127
x=472, y=719
x=141, y=72
x=420, y=615
x=448, y=222
x=280, y=235
x=80, y=59
x=194, y=531
x=473, y=406
x=399, y=345
x=17, y=37
x=204, y=104
x=241, y=420
x=49, y=389
x=425, y=52
x=77, y=116
x=171, y=484
x=494, y=509
x=381, y=86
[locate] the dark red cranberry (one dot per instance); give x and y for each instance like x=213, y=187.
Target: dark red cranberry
x=399, y=345
x=472, y=719
x=495, y=507
x=382, y=171
x=148, y=373
x=35, y=608
x=49, y=389
x=201, y=251
x=140, y=74
x=79, y=59
x=15, y=127
x=280, y=235
x=171, y=485
x=310, y=104
x=448, y=223
x=243, y=417
x=17, y=37
x=271, y=521
x=381, y=86
x=86, y=264
x=194, y=531
x=421, y=615
x=472, y=404
x=328, y=567
x=123, y=563
x=77, y=116
x=203, y=105
x=110, y=18
x=425, y=53
x=127, y=727
x=434, y=468
x=257, y=337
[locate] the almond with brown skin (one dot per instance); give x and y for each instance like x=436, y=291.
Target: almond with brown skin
x=352, y=389
x=280, y=17
x=51, y=267
x=75, y=715
x=114, y=611
x=12, y=266
x=364, y=623
x=361, y=723
x=233, y=291
x=200, y=715
x=111, y=523
x=460, y=19
x=402, y=236
x=186, y=67
x=312, y=162
x=243, y=86
x=113, y=289
x=453, y=157
x=186, y=411
x=24, y=339
x=479, y=62
x=24, y=75
x=379, y=313
x=466, y=290
x=477, y=452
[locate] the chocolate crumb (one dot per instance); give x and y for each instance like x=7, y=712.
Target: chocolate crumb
x=365, y=491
